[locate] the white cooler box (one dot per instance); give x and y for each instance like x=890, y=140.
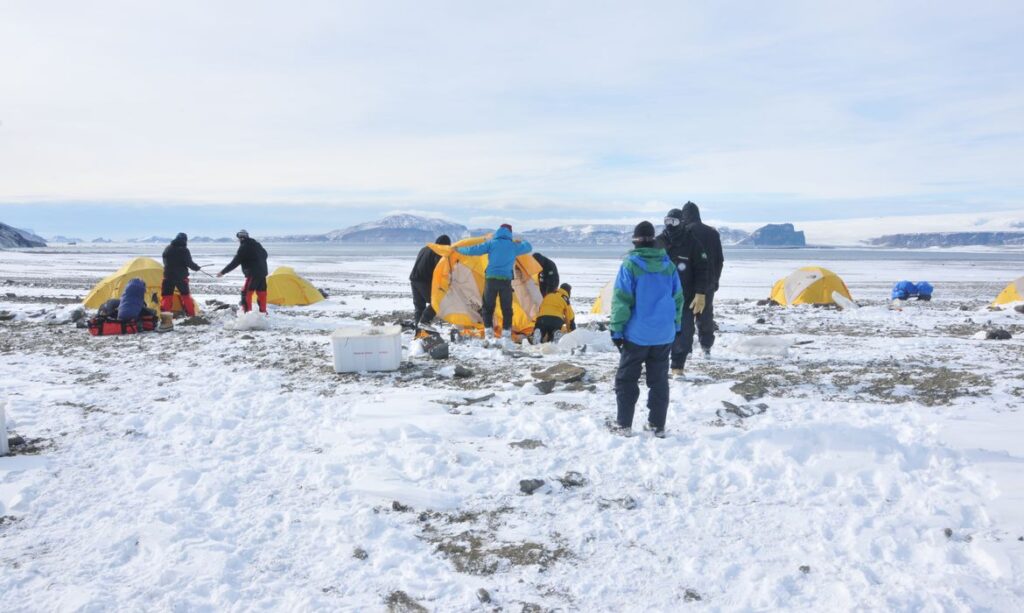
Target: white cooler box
x=363, y=349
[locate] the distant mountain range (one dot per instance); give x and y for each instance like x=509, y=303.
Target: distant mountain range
x=11, y=237
x=64, y=239
x=950, y=239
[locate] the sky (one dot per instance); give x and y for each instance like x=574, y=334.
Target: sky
x=122, y=118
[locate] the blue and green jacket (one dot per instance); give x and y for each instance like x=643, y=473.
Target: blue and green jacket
x=501, y=252
x=647, y=302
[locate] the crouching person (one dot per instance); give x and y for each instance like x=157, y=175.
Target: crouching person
x=555, y=314
x=647, y=312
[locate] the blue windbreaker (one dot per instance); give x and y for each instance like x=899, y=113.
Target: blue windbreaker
x=501, y=252
x=132, y=300
x=647, y=302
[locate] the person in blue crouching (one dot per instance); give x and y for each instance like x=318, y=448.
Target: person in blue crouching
x=501, y=252
x=133, y=300
x=646, y=314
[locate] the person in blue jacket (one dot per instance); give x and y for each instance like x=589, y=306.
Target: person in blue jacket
x=501, y=252
x=133, y=300
x=646, y=315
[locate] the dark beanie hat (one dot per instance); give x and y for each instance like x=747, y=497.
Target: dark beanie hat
x=507, y=225
x=443, y=240
x=566, y=287
x=644, y=231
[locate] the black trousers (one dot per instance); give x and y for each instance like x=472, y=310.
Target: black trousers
x=703, y=324
x=548, y=325
x=167, y=286
x=632, y=360
x=422, y=312
x=498, y=289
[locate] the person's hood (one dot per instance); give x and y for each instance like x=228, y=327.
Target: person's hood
x=650, y=259
x=503, y=233
x=181, y=240
x=691, y=213
x=443, y=240
x=136, y=285
x=678, y=214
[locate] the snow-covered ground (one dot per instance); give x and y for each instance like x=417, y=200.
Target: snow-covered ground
x=822, y=460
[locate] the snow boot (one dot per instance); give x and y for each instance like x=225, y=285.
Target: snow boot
x=678, y=372
x=658, y=432
x=616, y=428
x=707, y=352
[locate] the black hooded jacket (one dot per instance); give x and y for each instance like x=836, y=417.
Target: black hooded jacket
x=251, y=256
x=711, y=241
x=426, y=261
x=549, y=272
x=689, y=256
x=178, y=259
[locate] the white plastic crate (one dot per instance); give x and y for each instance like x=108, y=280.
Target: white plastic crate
x=365, y=349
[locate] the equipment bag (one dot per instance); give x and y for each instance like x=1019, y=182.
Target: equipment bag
x=104, y=326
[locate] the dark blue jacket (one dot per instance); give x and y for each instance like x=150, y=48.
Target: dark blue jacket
x=501, y=252
x=133, y=299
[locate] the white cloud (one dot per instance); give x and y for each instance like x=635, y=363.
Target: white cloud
x=529, y=106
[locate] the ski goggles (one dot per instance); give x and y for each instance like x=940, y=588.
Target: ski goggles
x=672, y=221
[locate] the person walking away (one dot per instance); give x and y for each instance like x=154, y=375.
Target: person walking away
x=177, y=262
x=501, y=252
x=422, y=280
x=252, y=257
x=547, y=279
x=691, y=261
x=712, y=243
x=555, y=314
x=647, y=312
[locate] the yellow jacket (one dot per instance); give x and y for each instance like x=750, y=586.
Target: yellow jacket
x=556, y=304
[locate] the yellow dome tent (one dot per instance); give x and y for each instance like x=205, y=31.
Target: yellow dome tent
x=1014, y=292
x=809, y=285
x=285, y=288
x=147, y=269
x=458, y=289
x=603, y=304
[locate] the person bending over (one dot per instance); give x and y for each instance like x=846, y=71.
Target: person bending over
x=252, y=257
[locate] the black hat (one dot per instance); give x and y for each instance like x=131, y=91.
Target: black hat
x=241, y=234
x=566, y=287
x=181, y=239
x=643, y=233
x=443, y=240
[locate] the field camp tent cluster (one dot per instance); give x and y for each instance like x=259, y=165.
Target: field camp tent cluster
x=284, y=286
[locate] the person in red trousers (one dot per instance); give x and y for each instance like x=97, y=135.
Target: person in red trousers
x=177, y=263
x=252, y=257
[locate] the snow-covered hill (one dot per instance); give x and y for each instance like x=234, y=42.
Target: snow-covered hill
x=13, y=237
x=401, y=228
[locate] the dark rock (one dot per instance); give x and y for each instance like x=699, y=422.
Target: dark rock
x=628, y=503
x=11, y=295
x=6, y=316
x=195, y=320
x=359, y=553
x=529, y=486
x=478, y=399
x=563, y=372
x=805, y=569
x=400, y=602
x=1019, y=308
x=761, y=320
x=461, y=372
x=527, y=443
x=545, y=387
x=964, y=307
x=572, y=479
x=399, y=507
x=691, y=596
x=580, y=386
x=998, y=334
x=775, y=235
x=948, y=532
x=483, y=595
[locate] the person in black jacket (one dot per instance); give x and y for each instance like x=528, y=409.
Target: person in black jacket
x=422, y=280
x=177, y=263
x=253, y=258
x=712, y=242
x=548, y=277
x=691, y=260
